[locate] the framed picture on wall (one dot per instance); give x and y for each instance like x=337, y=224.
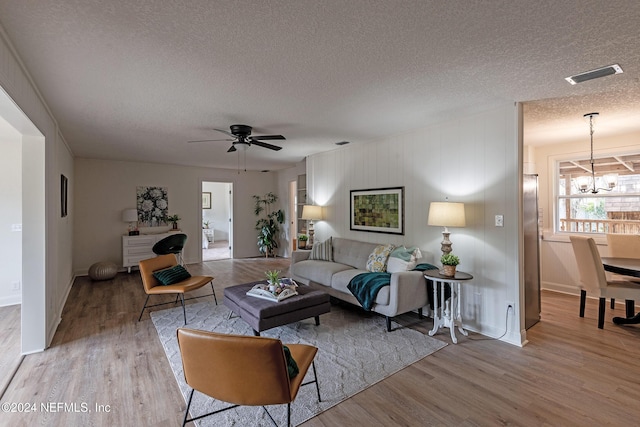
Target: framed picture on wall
x=378, y=210
x=64, y=190
x=206, y=200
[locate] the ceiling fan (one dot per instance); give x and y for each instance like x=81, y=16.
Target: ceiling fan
x=241, y=134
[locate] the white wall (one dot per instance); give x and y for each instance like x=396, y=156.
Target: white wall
x=46, y=273
x=105, y=188
x=10, y=214
x=563, y=276
x=474, y=159
x=220, y=212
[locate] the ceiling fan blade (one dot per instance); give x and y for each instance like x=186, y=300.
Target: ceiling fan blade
x=231, y=149
x=226, y=132
x=268, y=137
x=266, y=145
x=213, y=140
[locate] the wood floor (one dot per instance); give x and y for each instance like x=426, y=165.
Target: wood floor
x=571, y=373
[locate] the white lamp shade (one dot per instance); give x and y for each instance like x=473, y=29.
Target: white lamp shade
x=446, y=214
x=130, y=215
x=311, y=212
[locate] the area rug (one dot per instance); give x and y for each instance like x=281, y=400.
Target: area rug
x=355, y=352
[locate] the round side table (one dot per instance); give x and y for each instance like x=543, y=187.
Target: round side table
x=447, y=313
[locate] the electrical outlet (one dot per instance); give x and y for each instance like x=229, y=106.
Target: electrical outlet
x=511, y=306
x=15, y=286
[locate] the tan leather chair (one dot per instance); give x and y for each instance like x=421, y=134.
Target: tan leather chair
x=242, y=369
x=594, y=280
x=153, y=287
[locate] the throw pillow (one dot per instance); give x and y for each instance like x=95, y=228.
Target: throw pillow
x=403, y=259
x=292, y=366
x=322, y=251
x=171, y=275
x=377, y=261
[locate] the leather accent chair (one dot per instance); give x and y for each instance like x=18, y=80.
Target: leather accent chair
x=242, y=369
x=153, y=287
x=594, y=280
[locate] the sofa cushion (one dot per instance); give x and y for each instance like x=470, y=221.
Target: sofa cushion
x=322, y=251
x=318, y=271
x=377, y=261
x=341, y=280
x=352, y=252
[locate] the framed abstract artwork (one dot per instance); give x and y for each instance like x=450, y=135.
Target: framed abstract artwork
x=378, y=210
x=206, y=200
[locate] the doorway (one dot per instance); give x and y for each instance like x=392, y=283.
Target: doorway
x=217, y=236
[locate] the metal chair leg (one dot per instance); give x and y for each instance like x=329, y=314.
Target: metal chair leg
x=583, y=300
x=184, y=311
x=315, y=374
x=186, y=413
x=145, y=306
x=214, y=293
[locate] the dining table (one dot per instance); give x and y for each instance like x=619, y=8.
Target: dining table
x=625, y=267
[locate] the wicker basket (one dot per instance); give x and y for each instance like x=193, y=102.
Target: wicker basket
x=449, y=270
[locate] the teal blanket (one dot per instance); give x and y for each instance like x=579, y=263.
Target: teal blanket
x=365, y=286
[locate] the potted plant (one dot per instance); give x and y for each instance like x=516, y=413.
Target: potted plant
x=205, y=224
x=302, y=241
x=273, y=277
x=269, y=226
x=173, y=219
x=449, y=262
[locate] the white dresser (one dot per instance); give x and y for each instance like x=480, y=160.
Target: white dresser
x=136, y=248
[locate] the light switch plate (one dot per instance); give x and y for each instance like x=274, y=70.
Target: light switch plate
x=499, y=220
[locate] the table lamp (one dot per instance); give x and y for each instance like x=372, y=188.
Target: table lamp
x=311, y=212
x=446, y=214
x=131, y=216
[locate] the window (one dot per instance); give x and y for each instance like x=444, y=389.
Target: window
x=614, y=211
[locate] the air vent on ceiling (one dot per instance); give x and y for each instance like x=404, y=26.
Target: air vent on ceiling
x=342, y=143
x=594, y=74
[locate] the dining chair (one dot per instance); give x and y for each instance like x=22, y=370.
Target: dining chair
x=174, y=282
x=594, y=280
x=623, y=246
x=243, y=370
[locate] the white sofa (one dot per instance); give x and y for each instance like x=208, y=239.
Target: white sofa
x=407, y=290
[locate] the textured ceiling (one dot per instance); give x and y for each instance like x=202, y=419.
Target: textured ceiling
x=135, y=80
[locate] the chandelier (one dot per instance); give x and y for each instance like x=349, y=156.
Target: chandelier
x=587, y=184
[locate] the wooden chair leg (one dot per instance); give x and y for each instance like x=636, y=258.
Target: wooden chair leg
x=629, y=307
x=583, y=299
x=601, y=307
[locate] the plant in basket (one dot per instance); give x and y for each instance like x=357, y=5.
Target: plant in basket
x=449, y=263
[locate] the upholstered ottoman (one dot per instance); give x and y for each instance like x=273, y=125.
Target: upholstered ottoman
x=262, y=314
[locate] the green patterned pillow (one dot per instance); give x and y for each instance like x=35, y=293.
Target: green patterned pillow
x=377, y=261
x=322, y=251
x=171, y=275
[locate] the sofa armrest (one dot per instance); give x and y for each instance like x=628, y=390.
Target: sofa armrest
x=408, y=292
x=297, y=256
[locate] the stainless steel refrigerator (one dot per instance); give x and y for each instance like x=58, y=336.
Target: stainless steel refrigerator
x=531, y=251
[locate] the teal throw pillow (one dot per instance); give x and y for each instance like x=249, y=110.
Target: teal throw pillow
x=292, y=366
x=171, y=275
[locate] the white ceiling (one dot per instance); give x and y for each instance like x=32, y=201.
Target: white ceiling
x=135, y=80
